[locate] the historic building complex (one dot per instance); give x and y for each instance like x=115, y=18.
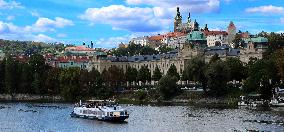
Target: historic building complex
x=188, y=40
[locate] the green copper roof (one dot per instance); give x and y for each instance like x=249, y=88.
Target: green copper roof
x=101, y=53
x=196, y=35
x=256, y=40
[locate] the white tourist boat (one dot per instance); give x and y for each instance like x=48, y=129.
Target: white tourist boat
x=278, y=98
x=104, y=110
x=251, y=100
x=277, y=102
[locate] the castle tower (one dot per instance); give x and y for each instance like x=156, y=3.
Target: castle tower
x=231, y=32
x=178, y=20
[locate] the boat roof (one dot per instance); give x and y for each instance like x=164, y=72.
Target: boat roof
x=96, y=100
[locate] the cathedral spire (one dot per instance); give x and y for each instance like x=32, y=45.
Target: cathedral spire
x=188, y=19
x=206, y=28
x=178, y=20
x=178, y=16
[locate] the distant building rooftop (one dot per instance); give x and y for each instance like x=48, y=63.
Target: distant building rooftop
x=79, y=48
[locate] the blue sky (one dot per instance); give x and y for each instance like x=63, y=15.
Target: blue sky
x=109, y=22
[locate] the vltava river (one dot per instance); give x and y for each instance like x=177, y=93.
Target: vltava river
x=29, y=117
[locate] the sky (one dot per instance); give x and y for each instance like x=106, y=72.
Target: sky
x=110, y=22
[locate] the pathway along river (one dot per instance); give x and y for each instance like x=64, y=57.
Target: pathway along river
x=30, y=117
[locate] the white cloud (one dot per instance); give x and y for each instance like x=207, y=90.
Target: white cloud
x=280, y=32
x=266, y=9
x=42, y=38
x=45, y=24
x=189, y=5
x=158, y=16
x=12, y=32
x=48, y=23
x=9, y=5
x=127, y=18
x=33, y=32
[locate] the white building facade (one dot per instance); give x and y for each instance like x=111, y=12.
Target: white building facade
x=141, y=40
x=214, y=37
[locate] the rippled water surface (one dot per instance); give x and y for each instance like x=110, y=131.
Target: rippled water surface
x=55, y=117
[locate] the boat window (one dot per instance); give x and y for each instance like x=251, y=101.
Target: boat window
x=121, y=113
x=111, y=113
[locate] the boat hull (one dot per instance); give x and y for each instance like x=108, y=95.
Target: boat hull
x=115, y=119
x=111, y=119
x=277, y=104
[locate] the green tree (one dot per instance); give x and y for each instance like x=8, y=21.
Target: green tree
x=96, y=82
x=280, y=62
x=115, y=77
x=106, y=90
x=275, y=41
x=2, y=76
x=26, y=78
x=105, y=77
x=144, y=74
x=262, y=76
x=237, y=41
x=157, y=75
x=36, y=83
x=11, y=79
x=69, y=83
x=236, y=69
x=184, y=76
x=173, y=72
x=37, y=63
x=196, y=69
x=218, y=77
x=214, y=58
x=147, y=50
x=167, y=87
x=131, y=74
x=52, y=83
x=165, y=49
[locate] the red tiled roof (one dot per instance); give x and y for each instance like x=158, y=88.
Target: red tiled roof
x=215, y=33
x=79, y=48
x=75, y=59
x=160, y=37
x=245, y=35
x=170, y=34
x=174, y=34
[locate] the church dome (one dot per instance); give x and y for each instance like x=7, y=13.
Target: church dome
x=196, y=35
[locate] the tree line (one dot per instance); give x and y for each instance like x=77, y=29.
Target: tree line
x=217, y=77
x=35, y=77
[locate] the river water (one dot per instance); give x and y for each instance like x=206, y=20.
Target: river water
x=29, y=117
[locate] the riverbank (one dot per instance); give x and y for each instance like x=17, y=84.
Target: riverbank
x=30, y=98
x=193, y=98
